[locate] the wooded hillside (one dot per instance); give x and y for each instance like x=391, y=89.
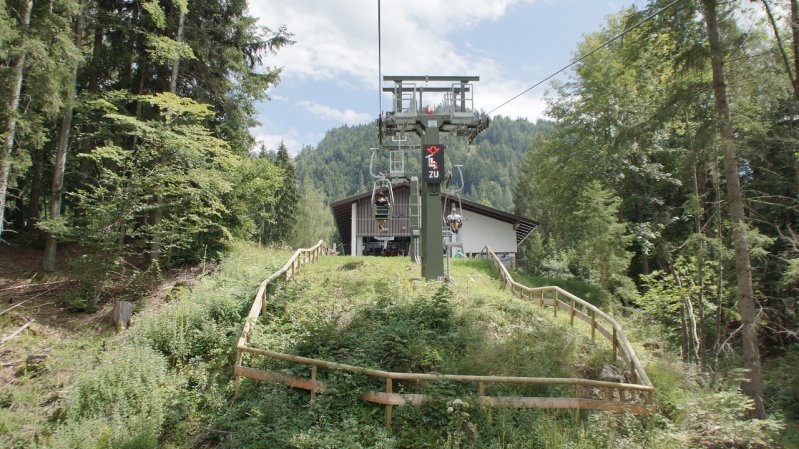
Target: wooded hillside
x=126, y=127
x=339, y=165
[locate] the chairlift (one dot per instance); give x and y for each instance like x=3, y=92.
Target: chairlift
x=454, y=223
x=382, y=202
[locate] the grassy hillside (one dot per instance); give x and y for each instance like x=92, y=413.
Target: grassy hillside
x=374, y=312
x=167, y=382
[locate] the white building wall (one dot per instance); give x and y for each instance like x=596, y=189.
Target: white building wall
x=479, y=230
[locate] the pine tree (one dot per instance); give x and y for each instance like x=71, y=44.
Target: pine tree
x=753, y=386
x=12, y=104
x=284, y=208
x=314, y=219
x=604, y=239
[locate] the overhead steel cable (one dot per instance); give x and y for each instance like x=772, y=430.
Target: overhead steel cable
x=575, y=61
x=379, y=61
x=379, y=77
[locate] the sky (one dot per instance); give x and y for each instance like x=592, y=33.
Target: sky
x=330, y=76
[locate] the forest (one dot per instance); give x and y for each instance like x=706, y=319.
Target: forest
x=126, y=129
x=670, y=178
x=665, y=177
x=339, y=164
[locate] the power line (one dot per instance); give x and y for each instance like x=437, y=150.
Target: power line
x=575, y=61
x=379, y=63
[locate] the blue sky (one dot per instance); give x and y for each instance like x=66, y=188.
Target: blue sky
x=330, y=76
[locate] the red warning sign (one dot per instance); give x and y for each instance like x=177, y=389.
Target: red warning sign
x=433, y=163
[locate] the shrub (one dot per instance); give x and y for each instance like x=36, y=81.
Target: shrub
x=783, y=385
x=121, y=403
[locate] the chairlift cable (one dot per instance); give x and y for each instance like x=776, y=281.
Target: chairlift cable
x=379, y=76
x=575, y=61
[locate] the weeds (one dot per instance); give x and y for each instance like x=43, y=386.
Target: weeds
x=170, y=384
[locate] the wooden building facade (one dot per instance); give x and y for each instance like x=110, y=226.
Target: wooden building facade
x=482, y=225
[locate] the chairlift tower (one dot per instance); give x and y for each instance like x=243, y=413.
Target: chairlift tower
x=456, y=116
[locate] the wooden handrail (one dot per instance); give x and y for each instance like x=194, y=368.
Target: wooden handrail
x=259, y=303
x=390, y=399
x=628, y=354
x=437, y=376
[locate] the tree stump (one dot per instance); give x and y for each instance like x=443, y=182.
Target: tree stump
x=121, y=314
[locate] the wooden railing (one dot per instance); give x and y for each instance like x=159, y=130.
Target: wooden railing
x=300, y=257
x=633, y=397
x=583, y=310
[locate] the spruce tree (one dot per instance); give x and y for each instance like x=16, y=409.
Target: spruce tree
x=284, y=209
x=604, y=239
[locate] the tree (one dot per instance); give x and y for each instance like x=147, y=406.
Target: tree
x=12, y=105
x=314, y=220
x=753, y=386
x=56, y=191
x=604, y=239
x=192, y=181
x=166, y=49
x=284, y=208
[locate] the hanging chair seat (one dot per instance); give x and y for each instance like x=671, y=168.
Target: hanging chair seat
x=382, y=212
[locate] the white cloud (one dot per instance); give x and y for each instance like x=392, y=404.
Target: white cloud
x=346, y=116
x=272, y=137
x=336, y=51
x=492, y=94
x=338, y=39
x=272, y=142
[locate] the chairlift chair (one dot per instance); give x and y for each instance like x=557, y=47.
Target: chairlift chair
x=454, y=225
x=382, y=212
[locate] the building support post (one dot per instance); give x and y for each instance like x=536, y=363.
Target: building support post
x=354, y=231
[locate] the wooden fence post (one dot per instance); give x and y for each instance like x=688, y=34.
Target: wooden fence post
x=577, y=409
x=313, y=378
x=593, y=326
x=389, y=390
x=571, y=320
x=542, y=299
x=239, y=356
x=555, y=309
x=615, y=343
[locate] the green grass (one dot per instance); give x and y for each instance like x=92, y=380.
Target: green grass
x=90, y=393
x=382, y=316
x=376, y=312
x=168, y=381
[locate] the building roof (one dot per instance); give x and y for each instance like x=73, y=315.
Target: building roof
x=342, y=213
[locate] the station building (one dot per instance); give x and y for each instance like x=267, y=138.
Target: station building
x=502, y=231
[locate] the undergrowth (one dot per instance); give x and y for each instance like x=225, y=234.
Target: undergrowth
x=168, y=381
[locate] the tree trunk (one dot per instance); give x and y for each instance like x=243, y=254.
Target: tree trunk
x=700, y=268
x=753, y=385
x=173, y=82
x=34, y=203
x=50, y=246
x=795, y=35
x=13, y=104
x=787, y=64
x=158, y=213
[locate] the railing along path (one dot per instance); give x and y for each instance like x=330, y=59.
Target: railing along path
x=634, y=397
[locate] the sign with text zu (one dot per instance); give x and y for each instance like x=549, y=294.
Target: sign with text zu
x=433, y=163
